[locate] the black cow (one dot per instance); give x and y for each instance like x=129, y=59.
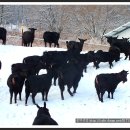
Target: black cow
x=101, y=56
x=3, y=33
x=89, y=57
x=34, y=59
x=51, y=37
x=28, y=37
x=115, y=52
x=108, y=82
x=55, y=59
x=75, y=46
x=43, y=116
x=70, y=74
x=113, y=40
x=15, y=83
x=38, y=84
x=35, y=62
x=123, y=44
x=18, y=67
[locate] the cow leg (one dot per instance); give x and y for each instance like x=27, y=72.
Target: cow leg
x=27, y=95
x=20, y=93
x=11, y=96
x=69, y=87
x=94, y=64
x=97, y=65
x=55, y=77
x=33, y=98
x=49, y=44
x=126, y=56
x=45, y=44
x=57, y=44
x=4, y=41
x=20, y=96
x=112, y=94
x=108, y=94
x=75, y=88
x=85, y=69
x=62, y=90
x=110, y=63
x=15, y=97
x=42, y=95
x=98, y=93
x=102, y=93
x=129, y=56
x=46, y=95
x=54, y=44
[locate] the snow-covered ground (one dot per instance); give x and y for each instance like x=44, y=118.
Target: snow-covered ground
x=84, y=104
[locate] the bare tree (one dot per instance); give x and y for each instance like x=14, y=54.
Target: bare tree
x=1, y=14
x=72, y=21
x=97, y=20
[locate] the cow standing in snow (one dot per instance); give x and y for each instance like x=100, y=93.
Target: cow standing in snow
x=108, y=82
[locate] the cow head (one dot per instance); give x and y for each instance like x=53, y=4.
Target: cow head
x=43, y=110
x=125, y=39
x=111, y=39
x=123, y=75
x=82, y=40
x=32, y=29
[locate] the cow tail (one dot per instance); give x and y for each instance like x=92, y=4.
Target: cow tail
x=24, y=61
x=13, y=81
x=97, y=85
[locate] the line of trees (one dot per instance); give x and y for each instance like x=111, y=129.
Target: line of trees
x=72, y=21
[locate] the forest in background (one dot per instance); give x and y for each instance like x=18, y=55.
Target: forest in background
x=71, y=21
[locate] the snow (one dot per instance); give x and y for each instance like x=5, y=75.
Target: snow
x=84, y=104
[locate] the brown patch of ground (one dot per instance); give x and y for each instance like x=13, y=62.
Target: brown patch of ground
x=14, y=38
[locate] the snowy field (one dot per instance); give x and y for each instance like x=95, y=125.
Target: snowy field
x=84, y=104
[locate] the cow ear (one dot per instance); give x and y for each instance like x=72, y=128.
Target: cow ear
x=79, y=39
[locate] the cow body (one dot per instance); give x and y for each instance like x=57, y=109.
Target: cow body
x=123, y=44
x=35, y=62
x=38, y=84
x=115, y=51
x=51, y=37
x=70, y=74
x=28, y=37
x=15, y=83
x=101, y=56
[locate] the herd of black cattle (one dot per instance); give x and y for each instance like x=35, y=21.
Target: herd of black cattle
x=66, y=66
